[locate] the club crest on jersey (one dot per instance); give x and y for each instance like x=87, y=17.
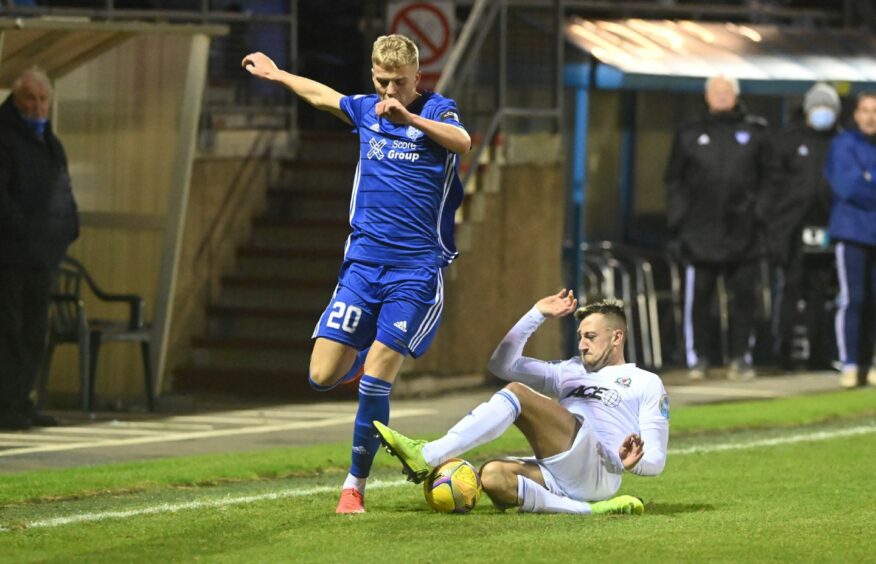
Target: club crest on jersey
x=624, y=381
x=743, y=137
x=413, y=133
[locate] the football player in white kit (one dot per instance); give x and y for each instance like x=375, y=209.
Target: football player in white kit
x=608, y=417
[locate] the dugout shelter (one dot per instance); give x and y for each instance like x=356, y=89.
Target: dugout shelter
x=647, y=76
x=126, y=106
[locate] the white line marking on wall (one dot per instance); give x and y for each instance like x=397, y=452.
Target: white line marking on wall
x=172, y=437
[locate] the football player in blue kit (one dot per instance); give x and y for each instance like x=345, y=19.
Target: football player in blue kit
x=390, y=291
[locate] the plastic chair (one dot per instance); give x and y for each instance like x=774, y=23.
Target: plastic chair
x=68, y=323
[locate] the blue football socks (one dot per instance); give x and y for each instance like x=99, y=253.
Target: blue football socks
x=373, y=406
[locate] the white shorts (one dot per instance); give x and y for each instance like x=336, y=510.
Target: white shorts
x=585, y=472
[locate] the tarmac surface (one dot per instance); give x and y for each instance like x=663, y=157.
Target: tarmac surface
x=93, y=439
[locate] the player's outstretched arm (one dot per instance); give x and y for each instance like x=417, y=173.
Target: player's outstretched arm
x=560, y=304
x=449, y=136
x=314, y=93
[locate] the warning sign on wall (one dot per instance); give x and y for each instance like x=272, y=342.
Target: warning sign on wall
x=430, y=25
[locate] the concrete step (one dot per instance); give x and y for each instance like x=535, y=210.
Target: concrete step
x=284, y=262
x=300, y=233
x=322, y=175
x=312, y=204
x=252, y=352
x=262, y=322
x=273, y=384
x=267, y=292
x=322, y=146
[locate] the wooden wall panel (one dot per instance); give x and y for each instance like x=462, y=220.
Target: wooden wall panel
x=118, y=119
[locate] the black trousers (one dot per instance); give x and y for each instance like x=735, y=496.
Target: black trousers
x=24, y=312
x=741, y=282
x=808, y=280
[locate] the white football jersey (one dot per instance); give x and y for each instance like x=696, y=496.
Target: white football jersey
x=616, y=401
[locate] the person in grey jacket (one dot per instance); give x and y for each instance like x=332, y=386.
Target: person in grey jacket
x=38, y=220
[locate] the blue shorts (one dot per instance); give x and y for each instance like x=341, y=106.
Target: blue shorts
x=398, y=306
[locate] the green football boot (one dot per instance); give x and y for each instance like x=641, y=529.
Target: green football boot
x=408, y=451
x=624, y=504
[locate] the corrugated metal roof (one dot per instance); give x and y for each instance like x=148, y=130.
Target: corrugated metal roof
x=748, y=52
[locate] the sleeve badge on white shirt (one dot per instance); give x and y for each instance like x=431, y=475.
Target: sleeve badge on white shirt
x=664, y=406
x=624, y=381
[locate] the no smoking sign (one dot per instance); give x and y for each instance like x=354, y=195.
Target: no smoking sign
x=430, y=25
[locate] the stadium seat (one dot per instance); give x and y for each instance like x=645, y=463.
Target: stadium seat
x=68, y=323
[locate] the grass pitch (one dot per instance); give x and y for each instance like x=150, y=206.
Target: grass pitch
x=781, y=480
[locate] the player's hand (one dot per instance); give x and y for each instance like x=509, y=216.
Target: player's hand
x=560, y=304
x=631, y=451
x=260, y=65
x=394, y=111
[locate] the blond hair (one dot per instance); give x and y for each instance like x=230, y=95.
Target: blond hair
x=394, y=51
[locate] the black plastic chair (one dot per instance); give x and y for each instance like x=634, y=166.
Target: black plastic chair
x=68, y=323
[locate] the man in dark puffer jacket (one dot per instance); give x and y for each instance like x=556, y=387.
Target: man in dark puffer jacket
x=38, y=220
x=715, y=203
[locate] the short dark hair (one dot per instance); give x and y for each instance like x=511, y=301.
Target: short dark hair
x=611, y=309
x=864, y=94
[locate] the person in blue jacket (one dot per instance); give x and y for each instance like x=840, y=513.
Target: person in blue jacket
x=850, y=169
x=390, y=291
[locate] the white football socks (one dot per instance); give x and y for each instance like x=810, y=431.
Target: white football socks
x=354, y=482
x=485, y=423
x=535, y=498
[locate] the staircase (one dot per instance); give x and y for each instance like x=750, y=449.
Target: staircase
x=257, y=340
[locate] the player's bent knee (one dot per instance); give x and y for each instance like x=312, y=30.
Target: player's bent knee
x=323, y=377
x=519, y=390
x=500, y=483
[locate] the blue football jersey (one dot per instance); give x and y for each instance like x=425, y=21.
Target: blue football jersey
x=406, y=189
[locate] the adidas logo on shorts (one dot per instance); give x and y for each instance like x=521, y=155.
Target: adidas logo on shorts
x=403, y=325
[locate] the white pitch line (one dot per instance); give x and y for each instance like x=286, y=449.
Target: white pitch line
x=228, y=500
x=172, y=437
x=791, y=439
x=36, y=439
x=292, y=414
x=223, y=419
x=200, y=504
x=96, y=430
x=160, y=425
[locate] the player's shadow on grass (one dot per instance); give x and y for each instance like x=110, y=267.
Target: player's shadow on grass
x=673, y=508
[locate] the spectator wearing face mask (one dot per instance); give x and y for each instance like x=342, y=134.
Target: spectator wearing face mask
x=800, y=200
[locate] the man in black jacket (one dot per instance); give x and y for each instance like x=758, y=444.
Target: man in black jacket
x=38, y=220
x=714, y=205
x=800, y=200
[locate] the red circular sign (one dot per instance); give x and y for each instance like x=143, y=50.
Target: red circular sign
x=427, y=26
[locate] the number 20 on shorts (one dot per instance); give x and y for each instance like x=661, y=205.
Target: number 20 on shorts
x=344, y=317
